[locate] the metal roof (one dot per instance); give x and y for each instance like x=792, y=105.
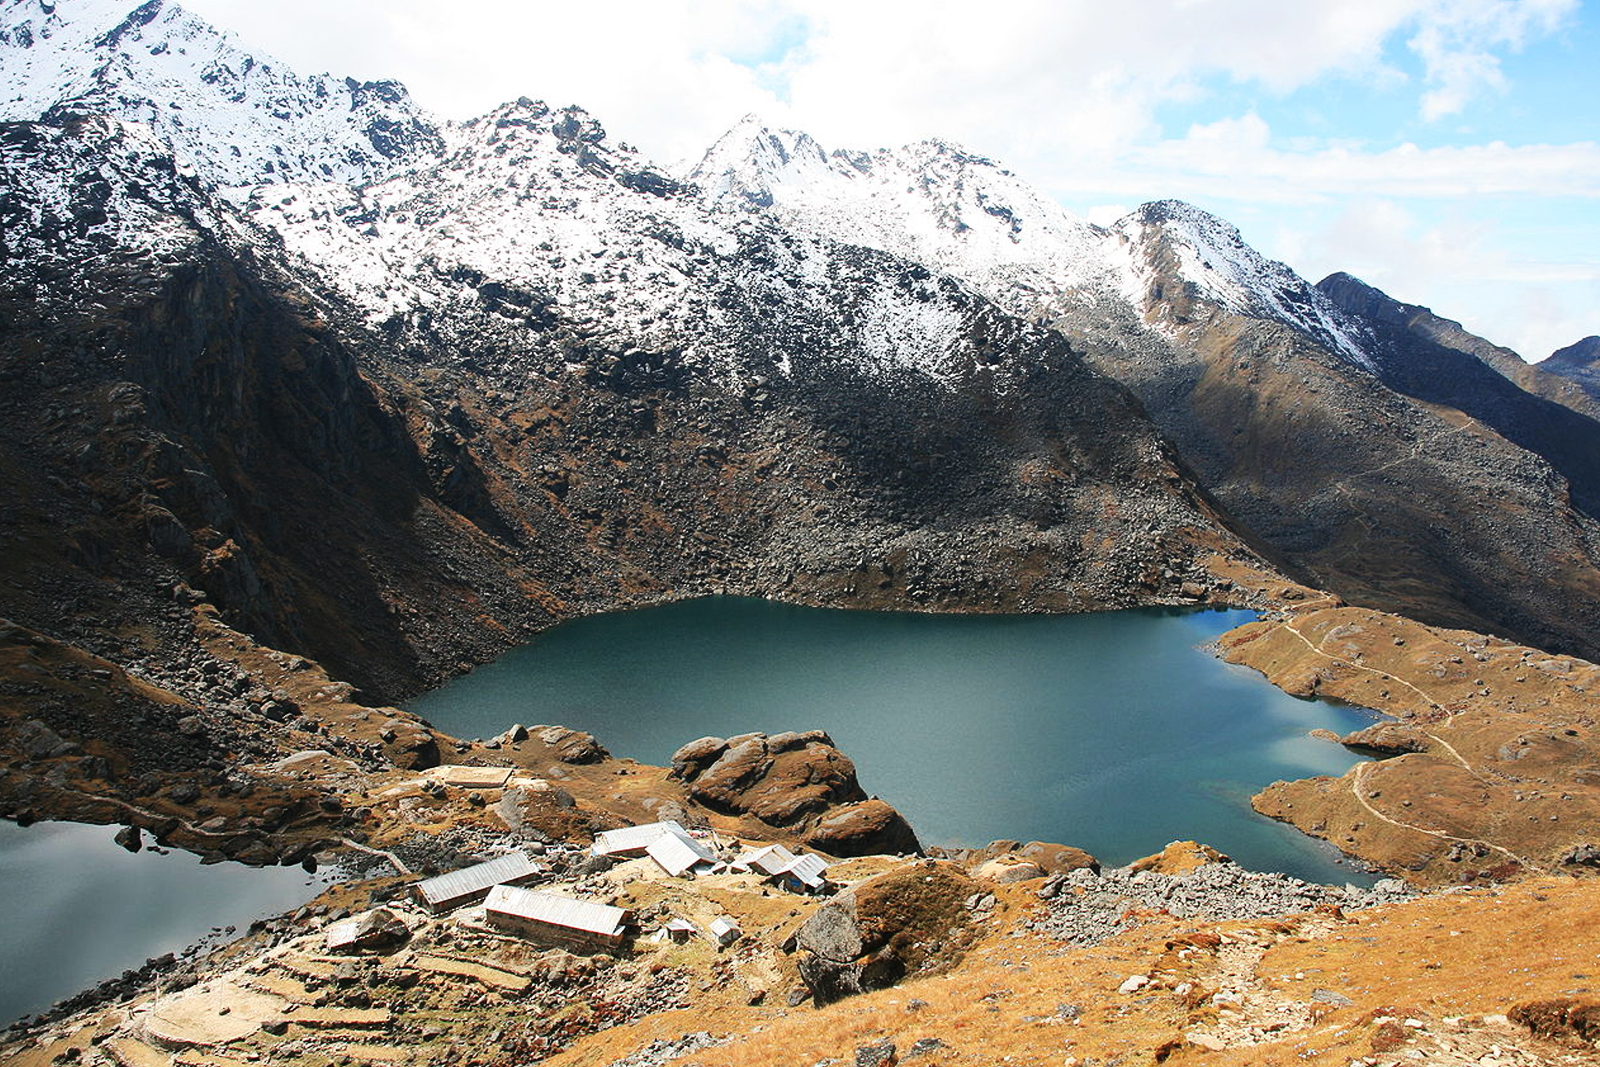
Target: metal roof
x=725, y=930
x=633, y=838
x=475, y=879
x=585, y=915
x=769, y=860
x=809, y=869
x=679, y=853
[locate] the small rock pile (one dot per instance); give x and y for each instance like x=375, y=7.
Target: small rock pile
x=663, y=1050
x=1086, y=908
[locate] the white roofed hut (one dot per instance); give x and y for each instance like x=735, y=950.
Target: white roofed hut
x=634, y=840
x=680, y=855
x=768, y=861
x=471, y=884
x=804, y=874
x=725, y=931
x=563, y=922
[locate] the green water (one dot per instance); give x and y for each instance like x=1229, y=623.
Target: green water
x=81, y=909
x=1115, y=732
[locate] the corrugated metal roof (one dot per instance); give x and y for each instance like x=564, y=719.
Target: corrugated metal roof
x=585, y=915
x=725, y=930
x=809, y=869
x=633, y=838
x=769, y=860
x=475, y=879
x=679, y=853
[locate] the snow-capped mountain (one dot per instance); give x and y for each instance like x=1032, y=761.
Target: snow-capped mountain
x=959, y=213
x=532, y=226
x=1302, y=415
x=870, y=378
x=238, y=118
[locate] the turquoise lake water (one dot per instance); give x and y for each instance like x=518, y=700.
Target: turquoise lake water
x=81, y=909
x=1115, y=732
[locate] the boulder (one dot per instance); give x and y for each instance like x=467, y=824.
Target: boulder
x=130, y=838
x=905, y=922
x=696, y=756
x=880, y=1053
x=377, y=931
x=1005, y=871
x=1584, y=855
x=868, y=828
x=409, y=746
x=572, y=746
x=722, y=785
x=1053, y=858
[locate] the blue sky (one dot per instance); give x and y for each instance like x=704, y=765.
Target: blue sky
x=1447, y=151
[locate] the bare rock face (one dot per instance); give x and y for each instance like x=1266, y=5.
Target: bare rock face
x=1386, y=739
x=696, y=756
x=1051, y=858
x=794, y=780
x=907, y=922
x=865, y=829
x=571, y=746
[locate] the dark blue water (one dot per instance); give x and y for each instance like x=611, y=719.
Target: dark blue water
x=81, y=909
x=1115, y=732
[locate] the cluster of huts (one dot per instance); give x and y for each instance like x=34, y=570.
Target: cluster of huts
x=680, y=854
x=588, y=926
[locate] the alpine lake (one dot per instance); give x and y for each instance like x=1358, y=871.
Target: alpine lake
x=1115, y=732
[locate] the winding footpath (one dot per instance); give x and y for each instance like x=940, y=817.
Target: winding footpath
x=1358, y=780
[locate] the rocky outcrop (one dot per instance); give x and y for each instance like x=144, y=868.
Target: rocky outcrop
x=866, y=828
x=1179, y=857
x=1007, y=860
x=887, y=928
x=794, y=780
x=1386, y=739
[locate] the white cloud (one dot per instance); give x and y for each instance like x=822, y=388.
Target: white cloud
x=1457, y=42
x=1237, y=158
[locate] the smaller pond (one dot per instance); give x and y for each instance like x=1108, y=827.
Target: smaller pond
x=1116, y=732
x=81, y=909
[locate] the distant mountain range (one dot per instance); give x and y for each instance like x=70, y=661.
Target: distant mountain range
x=391, y=392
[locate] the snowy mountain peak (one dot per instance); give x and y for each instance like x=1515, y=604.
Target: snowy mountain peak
x=1209, y=253
x=932, y=202
x=239, y=118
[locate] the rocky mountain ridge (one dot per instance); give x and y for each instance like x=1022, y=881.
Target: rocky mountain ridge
x=1355, y=457
x=237, y=118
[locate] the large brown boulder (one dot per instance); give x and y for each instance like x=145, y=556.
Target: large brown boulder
x=408, y=745
x=696, y=756
x=571, y=746
x=1048, y=856
x=1179, y=857
x=868, y=828
x=907, y=922
x=795, y=780
x=1387, y=739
